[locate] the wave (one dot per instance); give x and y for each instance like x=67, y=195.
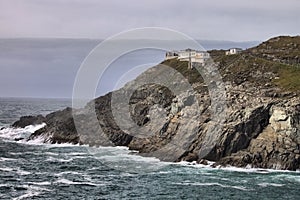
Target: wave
x=40, y=183
x=270, y=184
x=19, y=133
x=69, y=172
x=213, y=184
x=123, y=159
x=27, y=195
x=247, y=169
x=18, y=171
x=116, y=156
x=6, y=169
x=120, y=158
x=22, y=172
x=4, y=159
x=54, y=159
x=32, y=191
x=68, y=182
x=288, y=177
x=196, y=165
x=254, y=170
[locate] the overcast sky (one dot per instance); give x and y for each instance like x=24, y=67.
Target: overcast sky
x=47, y=67
x=234, y=20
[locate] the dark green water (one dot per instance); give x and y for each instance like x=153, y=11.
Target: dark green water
x=39, y=171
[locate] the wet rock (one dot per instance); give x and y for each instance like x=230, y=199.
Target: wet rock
x=203, y=162
x=29, y=120
x=18, y=139
x=191, y=157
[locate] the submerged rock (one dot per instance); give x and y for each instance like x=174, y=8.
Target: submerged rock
x=19, y=139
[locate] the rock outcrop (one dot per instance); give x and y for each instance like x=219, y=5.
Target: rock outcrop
x=174, y=117
x=277, y=146
x=29, y=120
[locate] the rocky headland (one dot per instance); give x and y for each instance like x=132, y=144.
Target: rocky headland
x=261, y=127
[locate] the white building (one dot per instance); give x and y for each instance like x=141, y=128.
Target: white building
x=233, y=51
x=193, y=56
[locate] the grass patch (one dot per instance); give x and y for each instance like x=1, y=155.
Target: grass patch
x=289, y=78
x=244, y=67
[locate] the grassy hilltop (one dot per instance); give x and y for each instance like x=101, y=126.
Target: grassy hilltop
x=275, y=62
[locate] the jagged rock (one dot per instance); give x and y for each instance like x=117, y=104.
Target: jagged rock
x=59, y=128
x=203, y=162
x=191, y=157
x=273, y=148
x=29, y=120
x=261, y=127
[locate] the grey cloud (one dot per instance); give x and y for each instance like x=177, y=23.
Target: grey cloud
x=47, y=68
x=248, y=20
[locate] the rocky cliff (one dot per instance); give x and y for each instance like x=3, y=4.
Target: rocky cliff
x=172, y=116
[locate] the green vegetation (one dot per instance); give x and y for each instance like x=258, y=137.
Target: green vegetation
x=289, y=78
x=182, y=66
x=275, y=62
x=245, y=65
x=283, y=49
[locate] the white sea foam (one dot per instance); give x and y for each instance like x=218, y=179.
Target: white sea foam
x=289, y=177
x=196, y=165
x=31, y=192
x=27, y=195
x=3, y=159
x=62, y=145
x=121, y=153
x=76, y=153
x=232, y=168
x=22, y=172
x=11, y=133
x=114, y=154
x=51, y=153
x=270, y=184
x=128, y=157
x=4, y=185
x=254, y=170
x=40, y=183
x=213, y=184
x=65, y=181
x=36, y=141
x=18, y=171
x=68, y=182
x=69, y=172
x=125, y=160
x=6, y=169
x=54, y=159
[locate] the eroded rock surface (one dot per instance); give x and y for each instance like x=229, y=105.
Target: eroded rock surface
x=174, y=118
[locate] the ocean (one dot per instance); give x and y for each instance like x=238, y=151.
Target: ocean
x=32, y=170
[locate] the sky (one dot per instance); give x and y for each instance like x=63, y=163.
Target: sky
x=233, y=20
x=32, y=66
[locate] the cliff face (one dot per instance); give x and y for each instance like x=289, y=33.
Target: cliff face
x=261, y=127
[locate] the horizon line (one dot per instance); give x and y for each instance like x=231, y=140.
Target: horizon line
x=101, y=39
